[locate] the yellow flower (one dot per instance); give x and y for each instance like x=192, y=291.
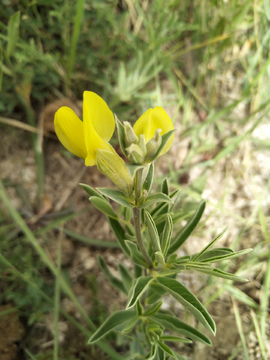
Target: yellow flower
x=89, y=139
x=83, y=138
x=150, y=122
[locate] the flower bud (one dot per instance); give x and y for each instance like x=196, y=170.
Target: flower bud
x=130, y=136
x=153, y=144
x=142, y=144
x=135, y=154
x=113, y=166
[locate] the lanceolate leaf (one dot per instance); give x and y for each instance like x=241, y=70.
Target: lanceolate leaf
x=103, y=206
x=209, y=245
x=152, y=309
x=221, y=274
x=165, y=187
x=147, y=185
x=90, y=191
x=174, y=324
x=126, y=276
x=188, y=229
x=135, y=254
x=155, y=198
x=213, y=253
x=139, y=286
x=153, y=234
x=119, y=232
x=227, y=256
x=189, y=301
x=166, y=348
x=175, y=339
x=161, y=208
x=110, y=277
x=115, y=195
x=114, y=320
x=166, y=235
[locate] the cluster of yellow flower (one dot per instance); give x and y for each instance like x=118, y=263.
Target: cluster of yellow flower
x=89, y=139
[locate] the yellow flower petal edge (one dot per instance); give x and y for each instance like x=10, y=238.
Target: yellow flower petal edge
x=84, y=138
x=69, y=129
x=152, y=120
x=98, y=126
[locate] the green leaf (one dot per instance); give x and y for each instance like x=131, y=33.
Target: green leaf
x=162, y=208
x=13, y=32
x=130, y=324
x=110, y=277
x=188, y=229
x=119, y=233
x=155, y=292
x=147, y=185
x=227, y=256
x=114, y=320
x=128, y=214
x=221, y=274
x=166, y=348
x=166, y=235
x=91, y=191
x=135, y=254
x=209, y=245
x=121, y=135
x=115, y=195
x=189, y=301
x=213, y=253
x=139, y=286
x=153, y=352
x=180, y=215
x=153, y=234
x=103, y=206
x=125, y=275
x=164, y=140
x=174, y=324
x=152, y=309
x=165, y=186
x=172, y=338
x=155, y=198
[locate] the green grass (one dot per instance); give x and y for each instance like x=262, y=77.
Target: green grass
x=183, y=55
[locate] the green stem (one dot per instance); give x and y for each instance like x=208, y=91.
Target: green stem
x=137, y=226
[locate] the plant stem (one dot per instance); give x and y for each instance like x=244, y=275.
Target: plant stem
x=137, y=226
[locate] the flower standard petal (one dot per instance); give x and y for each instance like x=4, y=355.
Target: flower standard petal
x=152, y=120
x=98, y=125
x=101, y=117
x=69, y=129
x=143, y=126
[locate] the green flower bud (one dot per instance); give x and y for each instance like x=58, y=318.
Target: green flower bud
x=130, y=136
x=113, y=166
x=135, y=154
x=153, y=145
x=142, y=144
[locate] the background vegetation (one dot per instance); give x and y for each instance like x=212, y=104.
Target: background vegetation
x=207, y=62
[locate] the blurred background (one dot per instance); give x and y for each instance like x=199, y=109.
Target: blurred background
x=207, y=63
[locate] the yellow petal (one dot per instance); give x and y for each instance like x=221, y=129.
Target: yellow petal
x=69, y=129
x=152, y=120
x=96, y=111
x=98, y=125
